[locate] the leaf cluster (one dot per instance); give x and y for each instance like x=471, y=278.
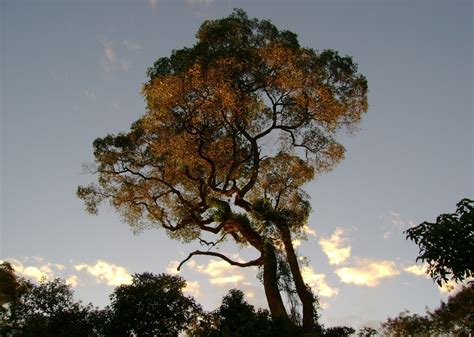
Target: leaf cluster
x=447, y=245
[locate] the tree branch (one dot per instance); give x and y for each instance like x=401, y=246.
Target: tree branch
x=256, y=262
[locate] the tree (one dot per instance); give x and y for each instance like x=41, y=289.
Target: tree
x=236, y=318
x=447, y=245
x=195, y=164
x=367, y=332
x=456, y=315
x=406, y=324
x=152, y=305
x=48, y=309
x=339, y=331
x=8, y=283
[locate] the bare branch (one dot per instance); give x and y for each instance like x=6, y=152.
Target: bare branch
x=256, y=262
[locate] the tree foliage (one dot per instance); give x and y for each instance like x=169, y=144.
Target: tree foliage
x=454, y=317
x=447, y=245
x=47, y=309
x=237, y=318
x=152, y=305
x=367, y=332
x=197, y=161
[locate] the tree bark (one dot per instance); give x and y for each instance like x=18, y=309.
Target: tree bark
x=305, y=295
x=270, y=283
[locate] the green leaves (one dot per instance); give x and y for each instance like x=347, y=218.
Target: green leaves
x=447, y=245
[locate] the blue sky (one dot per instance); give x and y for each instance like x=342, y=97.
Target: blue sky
x=71, y=71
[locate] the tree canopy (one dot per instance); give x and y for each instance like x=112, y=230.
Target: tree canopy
x=153, y=305
x=447, y=245
x=454, y=317
x=197, y=162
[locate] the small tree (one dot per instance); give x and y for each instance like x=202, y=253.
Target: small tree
x=447, y=245
x=195, y=163
x=153, y=305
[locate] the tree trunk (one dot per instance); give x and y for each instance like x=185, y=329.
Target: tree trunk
x=305, y=295
x=270, y=283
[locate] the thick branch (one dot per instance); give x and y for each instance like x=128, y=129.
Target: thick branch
x=256, y=262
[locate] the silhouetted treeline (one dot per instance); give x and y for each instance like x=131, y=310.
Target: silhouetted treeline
x=152, y=305
x=454, y=317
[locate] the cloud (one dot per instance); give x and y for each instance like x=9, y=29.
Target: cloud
x=72, y=281
x=367, y=272
x=172, y=267
x=124, y=65
x=193, y=288
x=89, y=94
x=417, y=270
x=107, y=273
x=309, y=230
x=131, y=45
x=42, y=269
x=397, y=225
x=336, y=247
x=221, y=272
x=199, y=3
x=236, y=278
x=153, y=4
x=318, y=283
x=37, y=273
x=109, y=55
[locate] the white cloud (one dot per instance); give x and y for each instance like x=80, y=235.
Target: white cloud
x=131, y=45
x=309, y=230
x=72, y=280
x=235, y=279
x=39, y=271
x=417, y=270
x=89, y=94
x=172, y=267
x=336, y=247
x=109, y=55
x=367, y=272
x=124, y=65
x=153, y=4
x=318, y=283
x=221, y=272
x=204, y=3
x=193, y=288
x=107, y=273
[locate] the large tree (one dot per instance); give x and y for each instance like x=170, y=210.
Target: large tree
x=199, y=160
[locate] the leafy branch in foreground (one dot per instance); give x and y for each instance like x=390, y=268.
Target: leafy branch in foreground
x=447, y=245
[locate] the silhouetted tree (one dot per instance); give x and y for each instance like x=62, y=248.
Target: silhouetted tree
x=367, y=332
x=406, y=324
x=455, y=316
x=153, y=305
x=447, y=245
x=48, y=309
x=339, y=331
x=198, y=149
x=237, y=318
x=8, y=284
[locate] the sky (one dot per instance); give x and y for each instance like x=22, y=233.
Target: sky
x=71, y=71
